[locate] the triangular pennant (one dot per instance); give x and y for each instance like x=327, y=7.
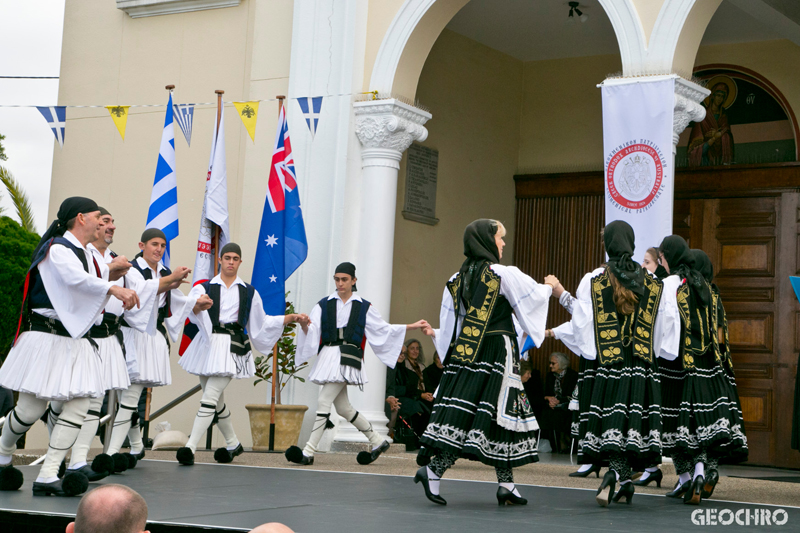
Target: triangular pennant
x=311, y=107
x=56, y=118
x=184, y=115
x=248, y=112
x=119, y=113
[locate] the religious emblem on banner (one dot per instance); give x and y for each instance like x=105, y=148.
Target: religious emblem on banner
x=248, y=112
x=634, y=175
x=119, y=114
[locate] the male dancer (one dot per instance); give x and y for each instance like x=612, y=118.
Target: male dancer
x=108, y=337
x=226, y=316
x=147, y=352
x=54, y=360
x=338, y=328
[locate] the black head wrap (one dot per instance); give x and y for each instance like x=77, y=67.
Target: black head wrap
x=103, y=211
x=152, y=233
x=480, y=248
x=680, y=261
x=231, y=248
x=347, y=268
x=618, y=239
x=702, y=263
x=70, y=208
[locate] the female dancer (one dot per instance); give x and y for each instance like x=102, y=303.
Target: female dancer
x=708, y=427
x=622, y=320
x=481, y=411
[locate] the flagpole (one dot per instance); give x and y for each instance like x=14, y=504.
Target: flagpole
x=274, y=350
x=215, y=239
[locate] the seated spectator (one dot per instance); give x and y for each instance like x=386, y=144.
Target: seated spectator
x=556, y=417
x=110, y=509
x=416, y=403
x=272, y=527
x=433, y=373
x=395, y=387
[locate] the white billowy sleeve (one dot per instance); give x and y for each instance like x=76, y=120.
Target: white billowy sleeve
x=264, y=329
x=179, y=303
x=385, y=339
x=142, y=318
x=567, y=301
x=78, y=297
x=529, y=299
x=308, y=343
x=578, y=333
x=447, y=324
x=667, y=330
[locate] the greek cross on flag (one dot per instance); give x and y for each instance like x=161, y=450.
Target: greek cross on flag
x=311, y=107
x=163, y=212
x=56, y=118
x=184, y=115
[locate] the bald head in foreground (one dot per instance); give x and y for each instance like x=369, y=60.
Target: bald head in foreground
x=110, y=509
x=272, y=527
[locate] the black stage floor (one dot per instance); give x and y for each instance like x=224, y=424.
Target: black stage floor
x=240, y=498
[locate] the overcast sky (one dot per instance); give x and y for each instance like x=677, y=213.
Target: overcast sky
x=30, y=41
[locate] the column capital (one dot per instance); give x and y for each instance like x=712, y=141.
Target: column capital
x=689, y=107
x=386, y=128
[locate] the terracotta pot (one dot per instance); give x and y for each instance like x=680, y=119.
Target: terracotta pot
x=288, y=422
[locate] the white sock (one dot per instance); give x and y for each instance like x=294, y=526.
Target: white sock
x=584, y=468
x=231, y=448
x=651, y=469
x=616, y=474
x=64, y=435
x=623, y=482
x=683, y=478
x=46, y=479
x=135, y=439
x=77, y=466
x=645, y=475
x=511, y=487
x=433, y=481
x=699, y=470
x=5, y=460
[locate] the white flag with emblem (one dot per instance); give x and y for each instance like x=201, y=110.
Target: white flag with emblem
x=637, y=141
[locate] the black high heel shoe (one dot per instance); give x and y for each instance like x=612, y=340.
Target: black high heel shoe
x=656, y=476
x=626, y=491
x=695, y=493
x=422, y=475
x=587, y=473
x=679, y=490
x=711, y=481
x=507, y=497
x=606, y=491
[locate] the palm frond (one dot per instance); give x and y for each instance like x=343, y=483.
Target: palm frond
x=19, y=199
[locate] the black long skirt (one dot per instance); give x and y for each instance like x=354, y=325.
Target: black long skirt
x=463, y=420
x=620, y=412
x=672, y=378
x=710, y=416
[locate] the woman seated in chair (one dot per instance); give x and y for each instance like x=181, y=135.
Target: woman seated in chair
x=416, y=403
x=556, y=418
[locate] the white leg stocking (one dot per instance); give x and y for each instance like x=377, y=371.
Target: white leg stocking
x=53, y=412
x=343, y=407
x=327, y=394
x=89, y=429
x=65, y=433
x=213, y=388
x=128, y=402
x=28, y=410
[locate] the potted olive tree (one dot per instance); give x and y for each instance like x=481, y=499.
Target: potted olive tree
x=288, y=418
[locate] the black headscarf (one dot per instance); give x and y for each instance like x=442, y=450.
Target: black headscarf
x=480, y=248
x=680, y=261
x=70, y=208
x=152, y=233
x=231, y=248
x=619, y=239
x=702, y=263
x=349, y=269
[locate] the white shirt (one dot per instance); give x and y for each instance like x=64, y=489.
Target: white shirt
x=78, y=297
x=385, y=339
x=578, y=333
x=178, y=299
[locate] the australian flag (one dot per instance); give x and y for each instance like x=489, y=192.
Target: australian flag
x=282, y=244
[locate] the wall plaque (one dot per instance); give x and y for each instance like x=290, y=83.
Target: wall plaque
x=421, y=169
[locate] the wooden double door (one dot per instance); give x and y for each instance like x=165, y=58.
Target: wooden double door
x=748, y=221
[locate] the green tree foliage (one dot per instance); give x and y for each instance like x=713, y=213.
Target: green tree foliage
x=20, y=200
x=3, y=156
x=15, y=257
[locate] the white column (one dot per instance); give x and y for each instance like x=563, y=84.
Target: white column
x=688, y=108
x=386, y=128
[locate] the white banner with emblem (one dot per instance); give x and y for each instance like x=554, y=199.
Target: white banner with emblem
x=637, y=141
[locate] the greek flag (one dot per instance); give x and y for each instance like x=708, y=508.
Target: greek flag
x=56, y=118
x=163, y=212
x=184, y=114
x=311, y=107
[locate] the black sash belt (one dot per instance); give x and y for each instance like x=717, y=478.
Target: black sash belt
x=240, y=342
x=109, y=327
x=352, y=355
x=53, y=326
